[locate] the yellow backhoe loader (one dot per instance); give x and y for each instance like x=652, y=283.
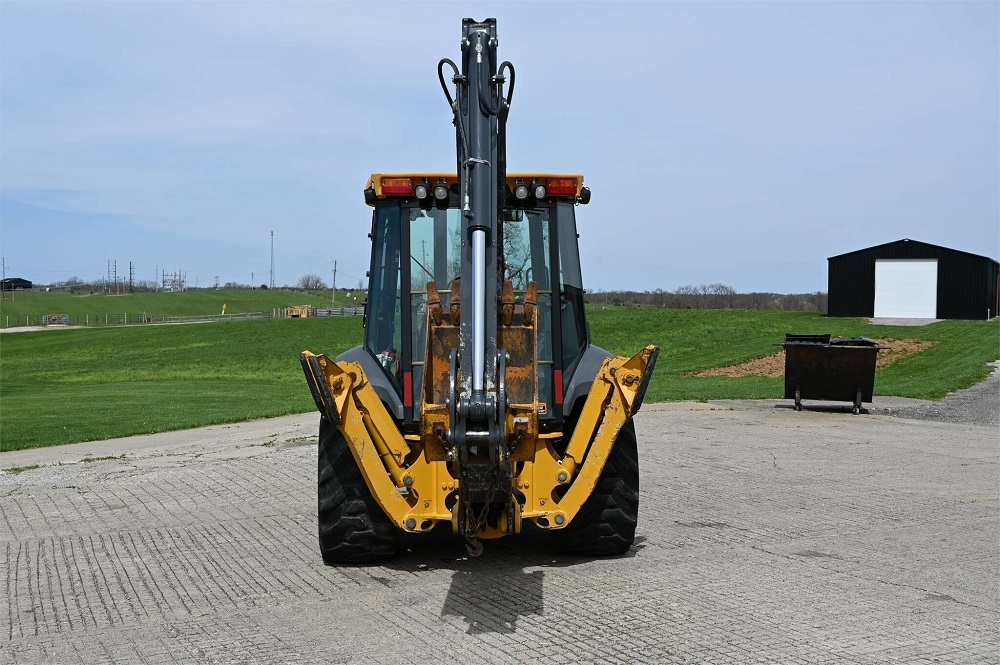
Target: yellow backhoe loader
x=477, y=399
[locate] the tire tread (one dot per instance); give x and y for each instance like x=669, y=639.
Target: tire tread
x=352, y=527
x=605, y=524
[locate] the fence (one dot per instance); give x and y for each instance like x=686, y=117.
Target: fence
x=338, y=311
x=106, y=319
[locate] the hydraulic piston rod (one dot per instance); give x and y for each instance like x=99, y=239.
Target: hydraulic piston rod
x=479, y=308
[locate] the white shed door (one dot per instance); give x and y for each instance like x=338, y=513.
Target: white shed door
x=906, y=288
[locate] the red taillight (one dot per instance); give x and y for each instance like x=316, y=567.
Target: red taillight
x=562, y=187
x=397, y=186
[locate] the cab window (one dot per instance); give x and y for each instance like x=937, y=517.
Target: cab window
x=383, y=332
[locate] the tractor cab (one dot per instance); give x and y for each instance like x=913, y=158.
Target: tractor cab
x=417, y=238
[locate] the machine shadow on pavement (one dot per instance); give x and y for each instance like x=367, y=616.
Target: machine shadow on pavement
x=491, y=592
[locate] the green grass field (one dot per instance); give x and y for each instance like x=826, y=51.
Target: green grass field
x=97, y=383
x=14, y=307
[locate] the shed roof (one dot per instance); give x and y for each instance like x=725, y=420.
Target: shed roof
x=914, y=242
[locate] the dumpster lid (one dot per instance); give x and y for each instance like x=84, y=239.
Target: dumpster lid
x=855, y=341
x=811, y=339
x=794, y=339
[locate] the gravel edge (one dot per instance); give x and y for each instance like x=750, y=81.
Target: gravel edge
x=977, y=405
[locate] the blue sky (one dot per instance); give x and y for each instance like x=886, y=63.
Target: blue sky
x=741, y=143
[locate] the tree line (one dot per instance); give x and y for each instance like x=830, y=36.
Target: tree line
x=712, y=296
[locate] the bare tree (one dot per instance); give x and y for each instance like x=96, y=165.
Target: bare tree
x=311, y=282
x=723, y=296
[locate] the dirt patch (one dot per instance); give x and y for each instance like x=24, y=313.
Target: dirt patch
x=774, y=365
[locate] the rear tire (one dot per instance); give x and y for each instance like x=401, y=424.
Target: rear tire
x=605, y=524
x=353, y=528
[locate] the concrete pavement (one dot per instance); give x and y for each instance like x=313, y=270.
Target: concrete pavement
x=765, y=535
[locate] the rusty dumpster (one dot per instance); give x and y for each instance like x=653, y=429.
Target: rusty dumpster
x=841, y=369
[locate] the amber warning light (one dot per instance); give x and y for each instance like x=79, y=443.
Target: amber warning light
x=397, y=186
x=562, y=187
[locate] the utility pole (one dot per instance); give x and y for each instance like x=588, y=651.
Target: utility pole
x=112, y=276
x=271, y=286
x=131, y=277
x=333, y=294
x=216, y=282
x=252, y=287
x=3, y=289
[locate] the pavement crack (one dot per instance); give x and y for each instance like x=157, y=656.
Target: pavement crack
x=812, y=554
x=928, y=594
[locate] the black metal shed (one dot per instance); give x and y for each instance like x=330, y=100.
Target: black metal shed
x=908, y=278
x=14, y=283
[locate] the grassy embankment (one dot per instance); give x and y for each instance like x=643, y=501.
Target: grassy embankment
x=81, y=308
x=96, y=383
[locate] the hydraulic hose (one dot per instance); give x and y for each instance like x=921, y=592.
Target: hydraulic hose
x=502, y=144
x=486, y=95
x=463, y=142
x=510, y=88
x=444, y=86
